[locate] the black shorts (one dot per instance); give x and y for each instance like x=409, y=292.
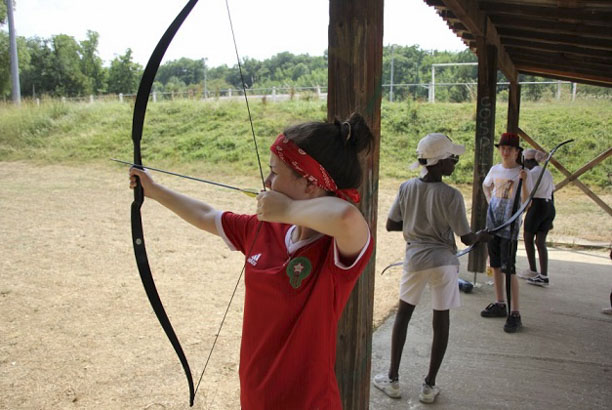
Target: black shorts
x=540, y=215
x=502, y=254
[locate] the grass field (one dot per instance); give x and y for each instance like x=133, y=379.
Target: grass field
x=207, y=135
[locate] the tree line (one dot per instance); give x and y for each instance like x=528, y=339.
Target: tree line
x=61, y=66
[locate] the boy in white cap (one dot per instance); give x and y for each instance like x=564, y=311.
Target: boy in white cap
x=539, y=220
x=429, y=213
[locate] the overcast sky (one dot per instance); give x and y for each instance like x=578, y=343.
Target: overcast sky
x=263, y=27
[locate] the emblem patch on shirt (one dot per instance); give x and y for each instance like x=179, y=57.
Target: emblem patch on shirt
x=298, y=269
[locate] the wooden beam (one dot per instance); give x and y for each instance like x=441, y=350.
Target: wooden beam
x=577, y=75
x=479, y=24
x=551, y=26
x=601, y=157
x=568, y=174
x=587, y=15
x=484, y=141
x=586, y=65
x=514, y=104
x=565, y=77
x=355, y=77
x=557, y=38
x=535, y=45
x=575, y=4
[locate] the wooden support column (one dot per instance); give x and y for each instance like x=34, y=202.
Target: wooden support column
x=483, y=145
x=514, y=104
x=354, y=85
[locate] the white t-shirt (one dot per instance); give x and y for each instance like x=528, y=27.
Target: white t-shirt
x=547, y=185
x=430, y=212
x=500, y=188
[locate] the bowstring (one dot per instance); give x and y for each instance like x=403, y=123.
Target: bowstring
x=259, y=224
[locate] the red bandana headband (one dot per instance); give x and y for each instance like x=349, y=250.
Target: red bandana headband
x=309, y=168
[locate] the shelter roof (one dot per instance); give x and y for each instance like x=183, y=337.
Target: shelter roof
x=568, y=40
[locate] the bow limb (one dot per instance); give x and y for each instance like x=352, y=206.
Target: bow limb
x=140, y=106
x=391, y=266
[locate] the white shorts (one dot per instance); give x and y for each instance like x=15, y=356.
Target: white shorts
x=443, y=282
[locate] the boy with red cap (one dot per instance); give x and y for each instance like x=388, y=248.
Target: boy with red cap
x=500, y=186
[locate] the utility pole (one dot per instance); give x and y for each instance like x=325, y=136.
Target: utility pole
x=204, y=60
x=16, y=90
x=391, y=79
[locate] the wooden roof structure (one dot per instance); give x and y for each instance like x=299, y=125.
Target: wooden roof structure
x=568, y=40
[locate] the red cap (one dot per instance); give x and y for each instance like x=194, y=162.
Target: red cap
x=510, y=139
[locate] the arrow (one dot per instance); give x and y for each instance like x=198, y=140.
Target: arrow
x=249, y=192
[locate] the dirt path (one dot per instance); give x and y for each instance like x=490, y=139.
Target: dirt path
x=77, y=330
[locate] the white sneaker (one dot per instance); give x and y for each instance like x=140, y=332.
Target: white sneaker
x=389, y=387
x=607, y=311
x=428, y=393
x=527, y=273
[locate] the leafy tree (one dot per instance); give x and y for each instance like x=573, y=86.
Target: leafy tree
x=185, y=69
x=407, y=63
x=37, y=72
x=3, y=13
x=91, y=65
x=124, y=74
x=67, y=75
x=5, y=71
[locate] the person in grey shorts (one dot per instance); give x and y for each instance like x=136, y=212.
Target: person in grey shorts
x=429, y=213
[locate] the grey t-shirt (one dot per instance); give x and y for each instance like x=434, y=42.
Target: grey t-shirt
x=430, y=213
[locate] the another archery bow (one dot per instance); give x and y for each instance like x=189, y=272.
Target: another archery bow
x=514, y=216
x=525, y=204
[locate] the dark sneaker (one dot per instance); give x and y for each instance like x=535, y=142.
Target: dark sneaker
x=539, y=281
x=513, y=323
x=494, y=310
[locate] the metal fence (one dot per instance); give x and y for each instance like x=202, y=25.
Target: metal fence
x=429, y=92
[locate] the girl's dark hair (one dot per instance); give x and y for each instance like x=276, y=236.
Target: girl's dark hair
x=335, y=146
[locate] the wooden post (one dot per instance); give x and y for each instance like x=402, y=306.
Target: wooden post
x=483, y=145
x=514, y=104
x=354, y=78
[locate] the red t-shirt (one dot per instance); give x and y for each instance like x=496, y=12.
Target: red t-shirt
x=294, y=296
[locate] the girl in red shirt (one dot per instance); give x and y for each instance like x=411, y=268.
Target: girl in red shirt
x=305, y=248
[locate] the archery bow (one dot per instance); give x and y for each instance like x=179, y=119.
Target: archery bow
x=140, y=106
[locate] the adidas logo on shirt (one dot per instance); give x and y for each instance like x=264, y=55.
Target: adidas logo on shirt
x=253, y=259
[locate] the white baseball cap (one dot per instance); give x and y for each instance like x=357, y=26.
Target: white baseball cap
x=435, y=146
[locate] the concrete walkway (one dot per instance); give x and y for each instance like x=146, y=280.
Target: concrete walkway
x=562, y=358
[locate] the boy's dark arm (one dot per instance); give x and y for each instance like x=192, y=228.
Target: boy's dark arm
x=394, y=226
x=480, y=236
